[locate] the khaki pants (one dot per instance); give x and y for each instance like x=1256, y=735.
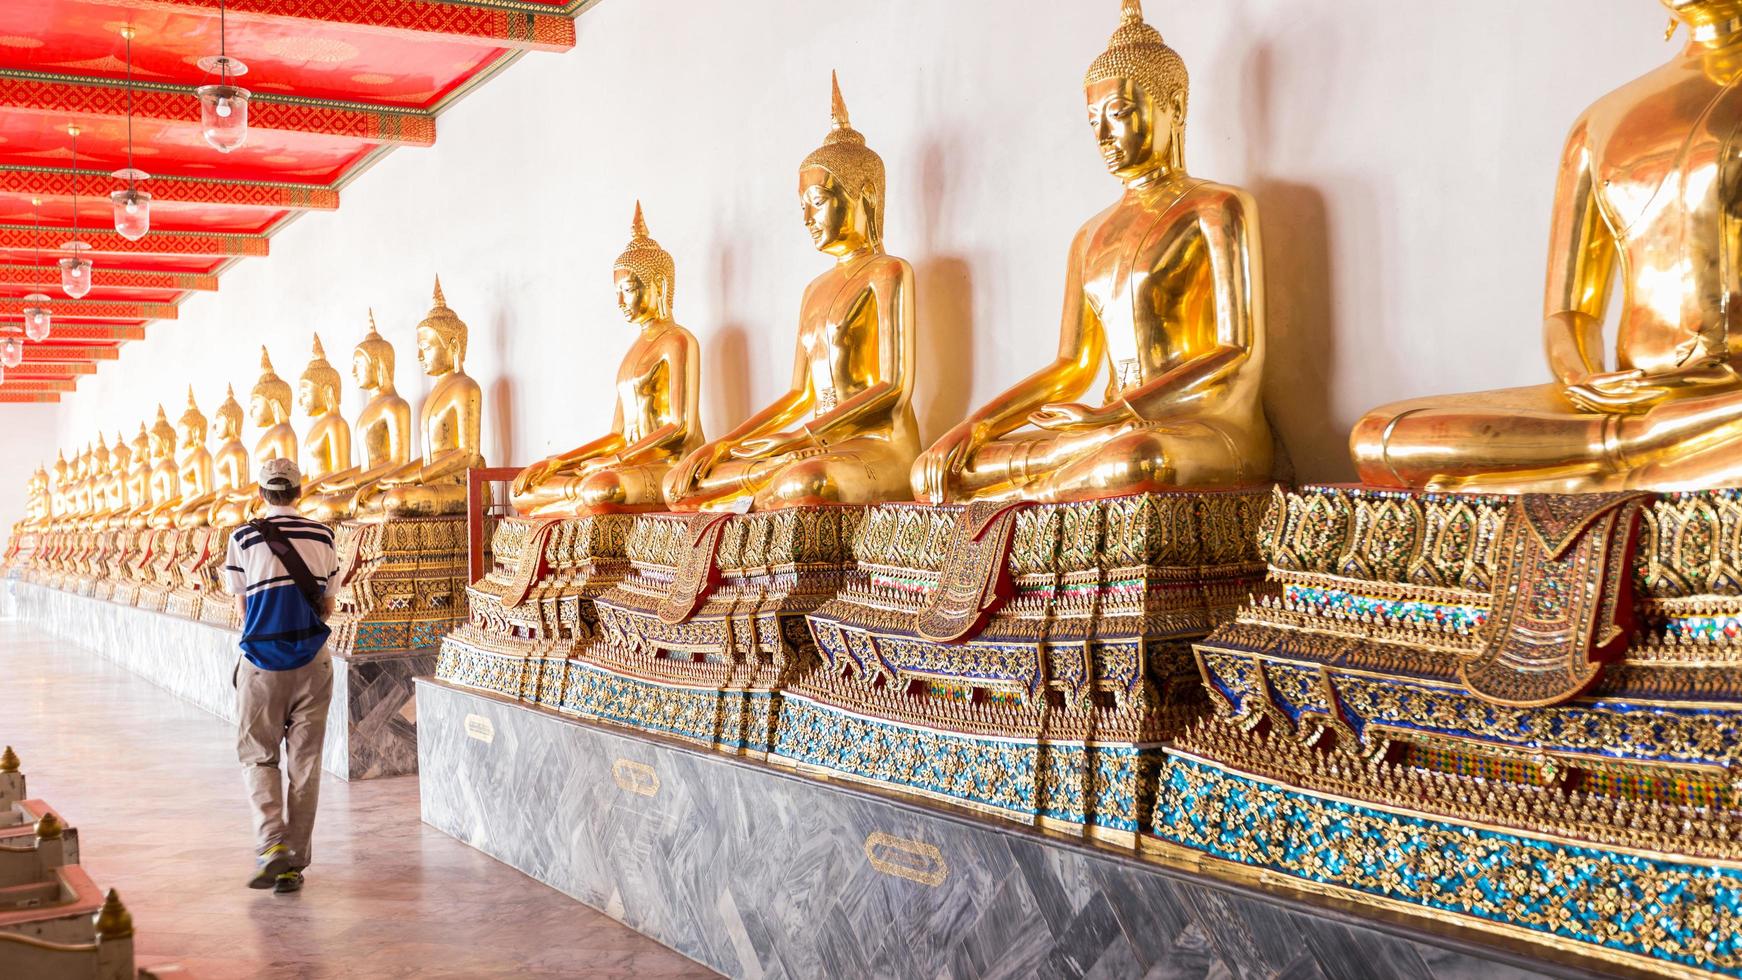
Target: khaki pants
x=288, y=707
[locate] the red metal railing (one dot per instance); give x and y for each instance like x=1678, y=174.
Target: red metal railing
x=475, y=480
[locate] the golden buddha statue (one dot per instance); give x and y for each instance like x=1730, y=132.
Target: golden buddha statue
x=58, y=490
x=1647, y=188
x=845, y=432
x=37, y=506
x=138, y=482
x=165, y=487
x=269, y=408
x=1165, y=291
x=78, y=500
x=115, y=498
x=229, y=466
x=451, y=419
x=98, y=483
x=657, y=419
x=194, y=472
x=327, y=444
x=383, y=427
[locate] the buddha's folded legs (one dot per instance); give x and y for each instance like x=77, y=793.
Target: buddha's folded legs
x=1535, y=439
x=1101, y=462
x=862, y=470
x=616, y=489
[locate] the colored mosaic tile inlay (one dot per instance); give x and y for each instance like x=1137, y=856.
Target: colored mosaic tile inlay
x=1704, y=629
x=1104, y=786
x=1339, y=602
x=1683, y=912
x=726, y=719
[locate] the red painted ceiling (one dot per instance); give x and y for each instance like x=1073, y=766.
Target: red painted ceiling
x=335, y=84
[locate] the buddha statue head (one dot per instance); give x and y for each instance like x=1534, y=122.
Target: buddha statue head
x=100, y=461
x=840, y=187
x=317, y=391
x=645, y=274
x=269, y=403
x=120, y=457
x=141, y=445
x=441, y=338
x=162, y=436
x=1136, y=90
x=60, y=465
x=229, y=416
x=372, y=361
x=192, y=424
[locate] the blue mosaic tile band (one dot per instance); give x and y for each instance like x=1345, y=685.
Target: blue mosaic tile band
x=1573, y=896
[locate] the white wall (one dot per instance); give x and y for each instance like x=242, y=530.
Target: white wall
x=29, y=436
x=1403, y=157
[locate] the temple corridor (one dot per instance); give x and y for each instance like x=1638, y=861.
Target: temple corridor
x=153, y=787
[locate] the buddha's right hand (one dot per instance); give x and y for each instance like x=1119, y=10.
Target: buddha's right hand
x=688, y=473
x=1616, y=393
x=533, y=476
x=946, y=458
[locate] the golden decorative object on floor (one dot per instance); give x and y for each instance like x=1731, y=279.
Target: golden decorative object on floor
x=845, y=432
x=383, y=428
x=1646, y=194
x=658, y=416
x=1164, y=291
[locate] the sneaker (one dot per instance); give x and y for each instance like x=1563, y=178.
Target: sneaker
x=274, y=861
x=290, y=881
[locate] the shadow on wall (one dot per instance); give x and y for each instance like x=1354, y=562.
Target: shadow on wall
x=499, y=400
x=945, y=307
x=1299, y=303
x=726, y=358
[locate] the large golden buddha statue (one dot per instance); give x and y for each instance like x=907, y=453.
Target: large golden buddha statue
x=101, y=469
x=229, y=466
x=657, y=419
x=57, y=495
x=326, y=446
x=194, y=473
x=1164, y=291
x=1647, y=189
x=845, y=432
x=383, y=427
x=269, y=409
x=451, y=419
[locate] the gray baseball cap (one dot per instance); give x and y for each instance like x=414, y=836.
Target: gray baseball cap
x=280, y=474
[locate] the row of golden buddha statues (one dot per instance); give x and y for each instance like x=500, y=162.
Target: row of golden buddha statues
x=146, y=523
x=1501, y=681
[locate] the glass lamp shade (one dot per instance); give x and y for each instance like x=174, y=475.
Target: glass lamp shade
x=132, y=213
x=2, y=375
x=37, y=318
x=11, y=352
x=224, y=115
x=75, y=276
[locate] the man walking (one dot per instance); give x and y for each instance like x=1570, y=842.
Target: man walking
x=283, y=571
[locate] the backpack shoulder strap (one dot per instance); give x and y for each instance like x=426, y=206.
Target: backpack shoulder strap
x=287, y=556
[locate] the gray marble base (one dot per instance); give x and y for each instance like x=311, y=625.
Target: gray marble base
x=378, y=735
x=759, y=872
x=371, y=727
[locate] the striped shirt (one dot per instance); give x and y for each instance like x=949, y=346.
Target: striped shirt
x=280, y=630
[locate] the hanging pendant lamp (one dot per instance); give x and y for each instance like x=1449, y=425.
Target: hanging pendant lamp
x=37, y=319
x=11, y=352
x=132, y=206
x=223, y=106
x=75, y=270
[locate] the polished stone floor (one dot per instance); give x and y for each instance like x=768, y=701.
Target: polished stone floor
x=153, y=786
